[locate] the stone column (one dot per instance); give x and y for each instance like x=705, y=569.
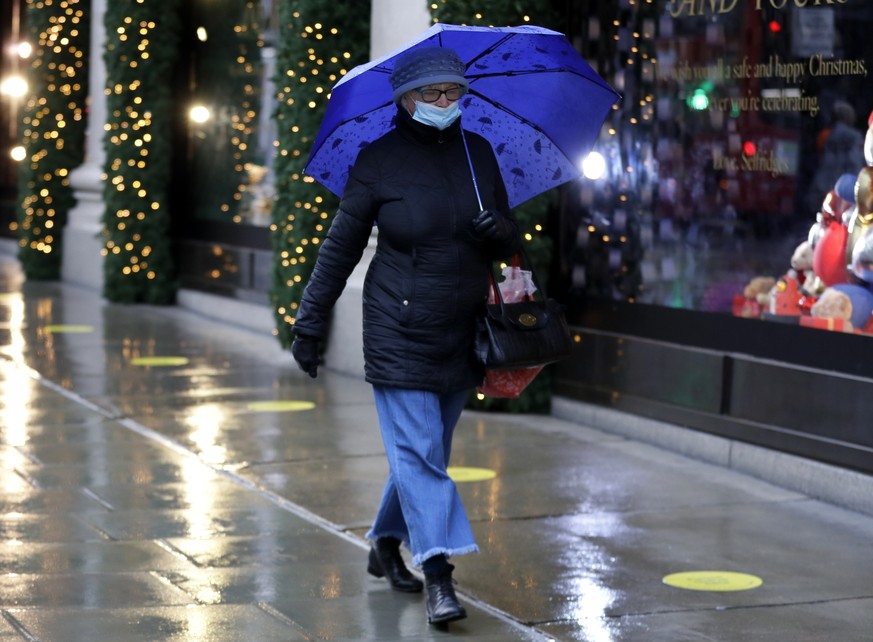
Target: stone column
x=82, y=262
x=393, y=23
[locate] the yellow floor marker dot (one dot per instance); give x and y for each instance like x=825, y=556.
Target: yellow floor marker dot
x=159, y=361
x=281, y=406
x=461, y=474
x=68, y=329
x=713, y=581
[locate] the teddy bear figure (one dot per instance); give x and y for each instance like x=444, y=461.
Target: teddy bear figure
x=802, y=263
x=832, y=311
x=758, y=289
x=755, y=298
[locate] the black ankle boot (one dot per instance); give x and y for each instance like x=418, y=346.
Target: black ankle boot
x=385, y=561
x=442, y=603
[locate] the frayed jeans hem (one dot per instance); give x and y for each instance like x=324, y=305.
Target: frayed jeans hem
x=372, y=537
x=418, y=560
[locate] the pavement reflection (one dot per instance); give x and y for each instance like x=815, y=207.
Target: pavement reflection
x=220, y=494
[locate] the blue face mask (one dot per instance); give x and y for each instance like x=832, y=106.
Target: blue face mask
x=439, y=117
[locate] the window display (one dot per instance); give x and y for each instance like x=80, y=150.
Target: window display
x=735, y=180
x=231, y=131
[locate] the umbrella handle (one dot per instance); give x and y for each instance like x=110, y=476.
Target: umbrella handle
x=472, y=171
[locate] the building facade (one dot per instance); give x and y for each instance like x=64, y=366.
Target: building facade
x=714, y=263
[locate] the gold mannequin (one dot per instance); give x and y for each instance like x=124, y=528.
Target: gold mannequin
x=862, y=215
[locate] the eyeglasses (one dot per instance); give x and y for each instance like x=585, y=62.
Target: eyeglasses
x=433, y=95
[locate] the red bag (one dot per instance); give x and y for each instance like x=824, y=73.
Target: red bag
x=508, y=384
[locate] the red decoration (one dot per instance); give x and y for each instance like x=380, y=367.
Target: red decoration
x=508, y=383
x=806, y=303
x=823, y=323
x=829, y=256
x=786, y=300
x=833, y=208
x=746, y=308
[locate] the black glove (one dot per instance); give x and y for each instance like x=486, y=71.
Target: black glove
x=305, y=353
x=493, y=226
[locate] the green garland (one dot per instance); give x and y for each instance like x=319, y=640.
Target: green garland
x=495, y=13
x=141, y=51
x=53, y=132
x=532, y=216
x=317, y=44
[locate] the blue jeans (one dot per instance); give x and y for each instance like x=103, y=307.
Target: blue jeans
x=420, y=504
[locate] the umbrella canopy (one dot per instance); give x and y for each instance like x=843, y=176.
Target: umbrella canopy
x=539, y=104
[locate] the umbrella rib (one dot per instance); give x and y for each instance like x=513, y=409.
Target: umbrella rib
x=344, y=122
x=556, y=70
x=387, y=103
x=515, y=115
x=500, y=43
x=493, y=47
x=520, y=72
x=520, y=118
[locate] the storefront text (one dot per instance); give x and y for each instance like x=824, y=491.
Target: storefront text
x=691, y=8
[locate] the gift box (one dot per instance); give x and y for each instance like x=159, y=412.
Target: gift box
x=786, y=296
x=746, y=308
x=840, y=325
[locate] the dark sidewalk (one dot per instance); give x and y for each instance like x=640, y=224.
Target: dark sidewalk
x=192, y=500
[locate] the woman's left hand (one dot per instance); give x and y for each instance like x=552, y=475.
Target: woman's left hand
x=305, y=353
x=493, y=226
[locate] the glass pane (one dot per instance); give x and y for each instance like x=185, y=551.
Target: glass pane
x=230, y=126
x=738, y=119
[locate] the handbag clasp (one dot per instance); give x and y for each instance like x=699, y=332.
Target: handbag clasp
x=527, y=320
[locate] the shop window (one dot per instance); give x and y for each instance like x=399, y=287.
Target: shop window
x=228, y=177
x=738, y=121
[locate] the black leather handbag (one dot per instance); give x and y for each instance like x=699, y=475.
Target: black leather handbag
x=532, y=332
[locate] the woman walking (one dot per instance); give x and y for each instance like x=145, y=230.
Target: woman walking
x=426, y=285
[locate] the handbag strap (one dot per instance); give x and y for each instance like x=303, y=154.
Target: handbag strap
x=519, y=259
x=472, y=171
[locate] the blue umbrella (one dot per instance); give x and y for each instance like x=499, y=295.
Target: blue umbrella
x=539, y=104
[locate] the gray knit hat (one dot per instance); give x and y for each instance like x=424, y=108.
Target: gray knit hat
x=427, y=66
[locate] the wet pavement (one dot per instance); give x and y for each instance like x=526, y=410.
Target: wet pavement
x=213, y=492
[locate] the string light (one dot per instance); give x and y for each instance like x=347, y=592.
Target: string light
x=53, y=129
x=314, y=55
x=631, y=56
x=248, y=41
x=13, y=86
x=137, y=263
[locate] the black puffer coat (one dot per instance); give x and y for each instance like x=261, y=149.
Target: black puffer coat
x=428, y=279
